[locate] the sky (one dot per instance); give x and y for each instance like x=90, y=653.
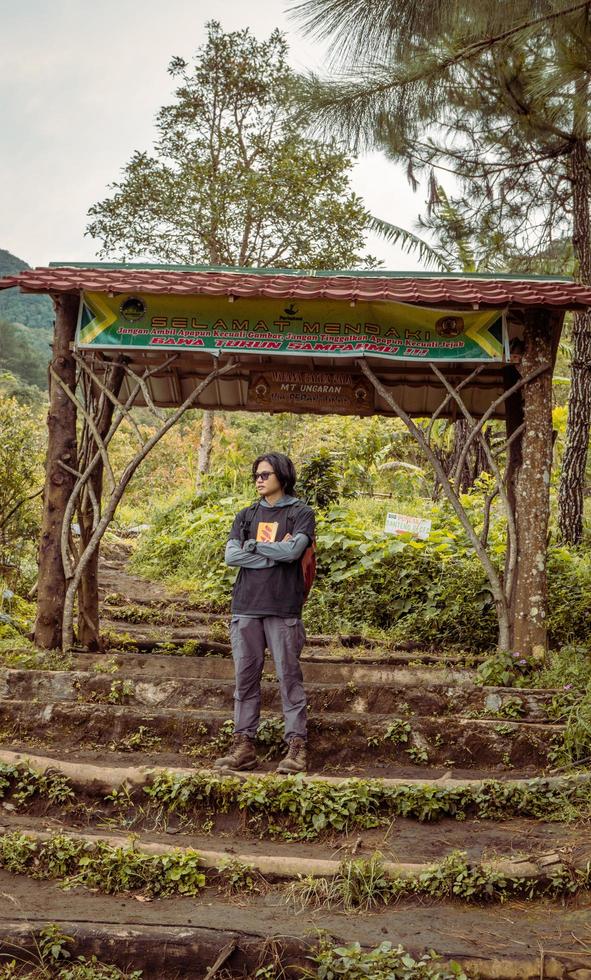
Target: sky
x=81, y=83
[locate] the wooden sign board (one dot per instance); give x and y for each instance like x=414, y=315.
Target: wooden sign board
x=319, y=391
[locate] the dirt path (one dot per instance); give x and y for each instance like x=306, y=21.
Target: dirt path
x=374, y=716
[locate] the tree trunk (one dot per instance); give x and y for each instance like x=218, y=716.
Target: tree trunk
x=532, y=494
x=61, y=446
x=513, y=420
x=572, y=478
x=88, y=597
x=206, y=442
x=205, y=445
x=475, y=463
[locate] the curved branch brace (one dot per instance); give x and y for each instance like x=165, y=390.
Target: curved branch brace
x=91, y=425
x=471, y=377
x=117, y=493
x=109, y=394
x=156, y=412
x=476, y=432
x=121, y=412
x=452, y=496
x=492, y=409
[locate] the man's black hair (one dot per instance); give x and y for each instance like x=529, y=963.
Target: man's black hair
x=283, y=469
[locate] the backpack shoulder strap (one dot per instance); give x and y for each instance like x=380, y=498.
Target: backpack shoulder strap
x=291, y=513
x=247, y=520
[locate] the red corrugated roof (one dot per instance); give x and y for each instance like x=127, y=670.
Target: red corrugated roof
x=435, y=291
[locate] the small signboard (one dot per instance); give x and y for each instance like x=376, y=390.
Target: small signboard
x=335, y=391
x=403, y=524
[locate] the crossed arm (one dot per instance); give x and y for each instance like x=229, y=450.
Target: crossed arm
x=267, y=553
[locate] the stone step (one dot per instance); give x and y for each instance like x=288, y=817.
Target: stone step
x=289, y=862
x=149, y=799
x=403, y=695
x=409, y=843
x=334, y=738
x=199, y=642
x=321, y=669
x=167, y=938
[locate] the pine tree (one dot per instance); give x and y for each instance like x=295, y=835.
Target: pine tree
x=498, y=95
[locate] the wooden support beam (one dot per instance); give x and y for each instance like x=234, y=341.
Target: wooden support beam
x=61, y=449
x=88, y=596
x=514, y=429
x=531, y=480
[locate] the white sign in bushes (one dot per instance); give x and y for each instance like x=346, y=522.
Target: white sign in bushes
x=403, y=524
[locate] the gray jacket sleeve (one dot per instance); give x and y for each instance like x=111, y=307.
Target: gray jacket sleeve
x=284, y=550
x=239, y=558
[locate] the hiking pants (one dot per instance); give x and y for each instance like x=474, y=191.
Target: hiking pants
x=285, y=639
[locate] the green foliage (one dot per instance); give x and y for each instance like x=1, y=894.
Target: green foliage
x=569, y=586
x=428, y=592
x=142, y=740
x=18, y=652
x=318, y=480
x=120, y=692
x=92, y=969
x=25, y=353
x=362, y=884
x=269, y=737
x=102, y=866
x=502, y=670
x=359, y=886
x=21, y=476
x=52, y=961
x=23, y=784
x=577, y=735
x=425, y=591
x=512, y=707
x=385, y=962
x=568, y=669
x=397, y=732
x=17, y=307
x=238, y=877
x=289, y=806
x=188, y=535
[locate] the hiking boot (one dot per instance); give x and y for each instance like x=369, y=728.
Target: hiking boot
x=296, y=758
x=241, y=756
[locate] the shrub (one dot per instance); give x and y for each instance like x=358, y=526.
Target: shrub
x=187, y=541
x=430, y=592
x=569, y=587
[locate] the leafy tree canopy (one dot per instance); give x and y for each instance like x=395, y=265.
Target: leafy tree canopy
x=25, y=353
x=232, y=178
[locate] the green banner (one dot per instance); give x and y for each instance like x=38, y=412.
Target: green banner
x=321, y=328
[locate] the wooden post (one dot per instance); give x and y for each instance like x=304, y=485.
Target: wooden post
x=88, y=595
x=532, y=493
x=61, y=446
x=513, y=421
x=205, y=446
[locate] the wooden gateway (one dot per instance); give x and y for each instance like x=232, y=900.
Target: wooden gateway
x=420, y=346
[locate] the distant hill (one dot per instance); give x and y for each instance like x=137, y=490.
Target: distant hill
x=16, y=307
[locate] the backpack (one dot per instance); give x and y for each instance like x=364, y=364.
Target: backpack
x=308, y=559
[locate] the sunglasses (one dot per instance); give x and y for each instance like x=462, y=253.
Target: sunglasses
x=263, y=475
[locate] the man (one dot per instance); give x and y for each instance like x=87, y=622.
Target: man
x=266, y=543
